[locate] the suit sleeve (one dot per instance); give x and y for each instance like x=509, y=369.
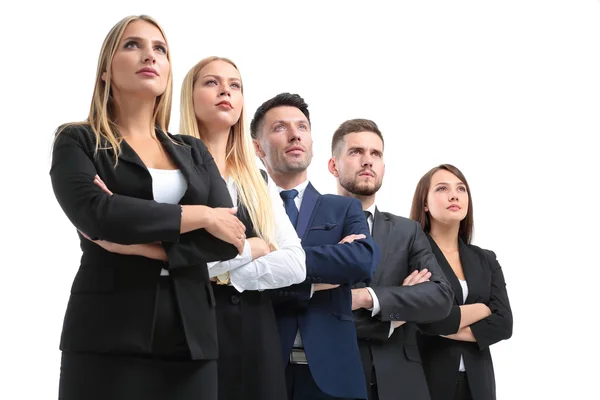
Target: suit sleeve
x=499, y=325
x=368, y=327
x=200, y=247
x=119, y=219
x=421, y=303
x=348, y=263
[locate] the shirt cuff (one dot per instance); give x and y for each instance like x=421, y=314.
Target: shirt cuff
x=312, y=290
x=376, y=307
x=391, y=329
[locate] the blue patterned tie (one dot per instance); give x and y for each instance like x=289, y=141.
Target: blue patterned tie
x=288, y=197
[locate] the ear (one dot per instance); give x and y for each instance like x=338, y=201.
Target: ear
x=332, y=166
x=259, y=151
x=426, y=208
x=103, y=77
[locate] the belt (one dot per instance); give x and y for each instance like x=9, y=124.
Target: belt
x=298, y=356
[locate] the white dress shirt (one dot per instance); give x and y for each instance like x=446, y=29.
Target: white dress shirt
x=376, y=306
x=280, y=268
x=465, y=290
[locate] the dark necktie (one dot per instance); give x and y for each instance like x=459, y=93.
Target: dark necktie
x=367, y=215
x=288, y=197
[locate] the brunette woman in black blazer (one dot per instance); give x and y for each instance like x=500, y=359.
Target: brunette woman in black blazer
x=455, y=350
x=138, y=328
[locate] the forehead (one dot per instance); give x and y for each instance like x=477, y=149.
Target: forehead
x=444, y=176
x=143, y=29
x=220, y=68
x=285, y=114
x=366, y=140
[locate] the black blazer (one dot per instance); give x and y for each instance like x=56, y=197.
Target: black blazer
x=441, y=356
x=396, y=360
x=113, y=298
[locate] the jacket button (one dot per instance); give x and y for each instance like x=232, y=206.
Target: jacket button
x=235, y=299
x=398, y=316
x=391, y=316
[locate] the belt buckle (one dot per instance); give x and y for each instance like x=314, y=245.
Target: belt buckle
x=298, y=356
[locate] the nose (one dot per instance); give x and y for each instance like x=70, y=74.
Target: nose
x=453, y=194
x=225, y=90
x=294, y=134
x=149, y=56
x=367, y=160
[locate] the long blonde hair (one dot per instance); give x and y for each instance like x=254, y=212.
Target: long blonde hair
x=240, y=157
x=101, y=117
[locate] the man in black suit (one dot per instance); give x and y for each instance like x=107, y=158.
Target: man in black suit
x=408, y=286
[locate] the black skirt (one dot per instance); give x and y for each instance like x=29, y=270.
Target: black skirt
x=250, y=364
x=166, y=373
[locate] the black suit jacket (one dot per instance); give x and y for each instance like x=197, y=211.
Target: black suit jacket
x=441, y=356
x=113, y=298
x=396, y=360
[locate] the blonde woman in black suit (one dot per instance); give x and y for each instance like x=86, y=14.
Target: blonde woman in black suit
x=455, y=350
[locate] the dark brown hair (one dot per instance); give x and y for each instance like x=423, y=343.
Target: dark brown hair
x=418, y=213
x=353, y=126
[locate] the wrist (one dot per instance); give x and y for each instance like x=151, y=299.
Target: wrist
x=367, y=299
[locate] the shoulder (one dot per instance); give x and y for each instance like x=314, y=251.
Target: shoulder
x=80, y=134
x=401, y=223
x=187, y=140
x=486, y=254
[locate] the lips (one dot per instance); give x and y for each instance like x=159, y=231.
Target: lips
x=295, y=148
x=224, y=104
x=367, y=173
x=454, y=207
x=148, y=71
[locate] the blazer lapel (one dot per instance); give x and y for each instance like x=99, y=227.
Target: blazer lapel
x=448, y=271
x=309, y=202
x=471, y=267
x=382, y=226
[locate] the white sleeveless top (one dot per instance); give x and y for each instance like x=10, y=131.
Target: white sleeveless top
x=168, y=186
x=465, y=290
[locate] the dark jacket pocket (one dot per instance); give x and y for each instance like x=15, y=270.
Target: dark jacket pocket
x=325, y=227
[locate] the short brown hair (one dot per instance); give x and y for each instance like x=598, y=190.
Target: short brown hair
x=418, y=213
x=353, y=126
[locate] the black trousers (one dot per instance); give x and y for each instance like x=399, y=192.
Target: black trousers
x=302, y=386
x=167, y=373
x=462, y=388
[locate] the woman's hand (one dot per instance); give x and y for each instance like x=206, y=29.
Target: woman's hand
x=224, y=225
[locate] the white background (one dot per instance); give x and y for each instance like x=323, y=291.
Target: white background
x=508, y=91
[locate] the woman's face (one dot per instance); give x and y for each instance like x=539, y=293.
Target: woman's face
x=217, y=95
x=447, y=200
x=140, y=66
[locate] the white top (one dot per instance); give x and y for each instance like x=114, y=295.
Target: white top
x=168, y=186
x=280, y=268
x=465, y=290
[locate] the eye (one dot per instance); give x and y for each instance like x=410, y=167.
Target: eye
x=131, y=44
x=161, y=48
x=236, y=85
x=303, y=126
x=440, y=188
x=210, y=82
x=377, y=154
x=279, y=127
x=462, y=188
x=354, y=151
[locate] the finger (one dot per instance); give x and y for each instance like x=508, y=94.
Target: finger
x=361, y=236
x=408, y=280
x=233, y=210
x=85, y=236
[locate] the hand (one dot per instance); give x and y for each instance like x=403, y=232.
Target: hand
x=486, y=310
x=361, y=298
x=259, y=247
x=100, y=183
x=323, y=286
x=224, y=225
x=417, y=277
x=111, y=247
x=352, y=238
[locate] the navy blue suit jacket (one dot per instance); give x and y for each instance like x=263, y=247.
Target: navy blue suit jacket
x=325, y=321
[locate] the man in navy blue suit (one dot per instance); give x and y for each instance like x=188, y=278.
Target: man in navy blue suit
x=315, y=321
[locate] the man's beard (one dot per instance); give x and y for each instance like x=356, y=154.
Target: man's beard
x=360, y=189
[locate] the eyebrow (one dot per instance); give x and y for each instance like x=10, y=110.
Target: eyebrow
x=220, y=77
x=446, y=183
x=141, y=40
x=281, y=121
x=364, y=148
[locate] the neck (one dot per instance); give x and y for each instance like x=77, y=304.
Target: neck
x=287, y=181
x=367, y=201
x=445, y=235
x=134, y=117
x=216, y=141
